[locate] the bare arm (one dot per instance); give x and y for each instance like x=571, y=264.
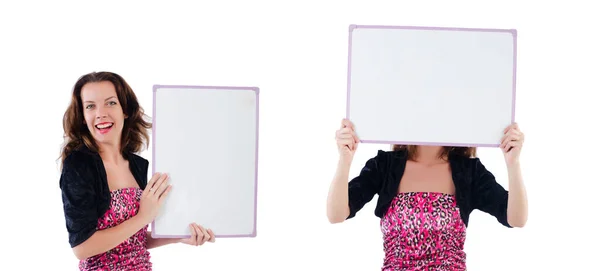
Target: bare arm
x=517, y=206
x=517, y=198
x=346, y=197
x=337, y=199
x=104, y=240
x=199, y=235
x=338, y=207
x=159, y=242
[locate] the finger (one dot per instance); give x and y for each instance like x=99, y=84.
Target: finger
x=156, y=184
x=199, y=234
x=345, y=123
x=345, y=136
x=151, y=183
x=510, y=146
x=212, y=236
x=347, y=141
x=510, y=133
x=507, y=147
x=161, y=185
x=510, y=138
x=163, y=196
x=509, y=127
x=194, y=235
x=504, y=140
x=342, y=132
x=518, y=132
x=205, y=234
x=346, y=130
x=351, y=125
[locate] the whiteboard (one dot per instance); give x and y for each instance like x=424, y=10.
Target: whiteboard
x=431, y=85
x=206, y=139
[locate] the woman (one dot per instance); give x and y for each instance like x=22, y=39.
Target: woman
x=425, y=196
x=107, y=200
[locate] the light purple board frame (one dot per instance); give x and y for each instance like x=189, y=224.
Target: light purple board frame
x=154, y=125
x=352, y=27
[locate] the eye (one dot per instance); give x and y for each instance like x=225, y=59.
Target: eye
x=89, y=106
x=112, y=103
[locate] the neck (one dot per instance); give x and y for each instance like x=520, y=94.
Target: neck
x=428, y=154
x=110, y=154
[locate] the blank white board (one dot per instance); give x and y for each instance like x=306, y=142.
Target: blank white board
x=431, y=85
x=206, y=139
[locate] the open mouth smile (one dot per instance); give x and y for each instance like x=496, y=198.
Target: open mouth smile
x=104, y=127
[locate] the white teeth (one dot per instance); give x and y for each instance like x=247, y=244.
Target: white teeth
x=104, y=126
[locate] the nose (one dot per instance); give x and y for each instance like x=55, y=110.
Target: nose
x=101, y=113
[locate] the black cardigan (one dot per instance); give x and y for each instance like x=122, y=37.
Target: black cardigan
x=85, y=192
x=475, y=186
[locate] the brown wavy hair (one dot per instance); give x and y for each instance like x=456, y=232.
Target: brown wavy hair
x=411, y=151
x=135, y=128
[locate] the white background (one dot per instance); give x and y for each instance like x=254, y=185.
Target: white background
x=296, y=53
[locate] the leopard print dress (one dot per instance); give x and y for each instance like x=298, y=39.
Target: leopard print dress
x=423, y=231
x=131, y=254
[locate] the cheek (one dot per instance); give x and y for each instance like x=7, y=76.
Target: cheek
x=89, y=120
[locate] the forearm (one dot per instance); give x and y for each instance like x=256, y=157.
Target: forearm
x=158, y=242
x=107, y=239
x=337, y=200
x=517, y=197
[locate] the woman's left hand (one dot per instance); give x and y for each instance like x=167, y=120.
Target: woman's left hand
x=200, y=235
x=512, y=143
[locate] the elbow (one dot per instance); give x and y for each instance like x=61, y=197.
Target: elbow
x=78, y=254
x=81, y=253
x=518, y=223
x=336, y=217
x=335, y=220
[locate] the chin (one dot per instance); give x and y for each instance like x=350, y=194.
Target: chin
x=106, y=139
x=107, y=136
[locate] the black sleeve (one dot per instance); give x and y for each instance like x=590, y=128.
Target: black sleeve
x=142, y=166
x=488, y=195
x=79, y=201
x=363, y=187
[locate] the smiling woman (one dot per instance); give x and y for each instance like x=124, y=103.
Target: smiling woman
x=107, y=200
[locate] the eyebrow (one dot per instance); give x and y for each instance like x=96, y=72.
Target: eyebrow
x=111, y=97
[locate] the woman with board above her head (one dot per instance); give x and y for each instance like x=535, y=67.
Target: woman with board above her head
x=425, y=197
x=107, y=200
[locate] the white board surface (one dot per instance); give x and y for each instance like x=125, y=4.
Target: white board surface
x=431, y=85
x=206, y=139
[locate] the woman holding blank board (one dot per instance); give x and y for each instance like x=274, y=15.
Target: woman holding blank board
x=107, y=200
x=425, y=197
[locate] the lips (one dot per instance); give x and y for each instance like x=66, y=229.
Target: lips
x=104, y=127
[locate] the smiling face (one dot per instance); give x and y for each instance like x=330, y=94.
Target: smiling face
x=103, y=113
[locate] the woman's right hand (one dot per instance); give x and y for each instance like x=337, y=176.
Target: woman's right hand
x=153, y=196
x=347, y=141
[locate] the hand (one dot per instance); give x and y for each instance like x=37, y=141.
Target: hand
x=153, y=196
x=512, y=143
x=347, y=141
x=200, y=235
